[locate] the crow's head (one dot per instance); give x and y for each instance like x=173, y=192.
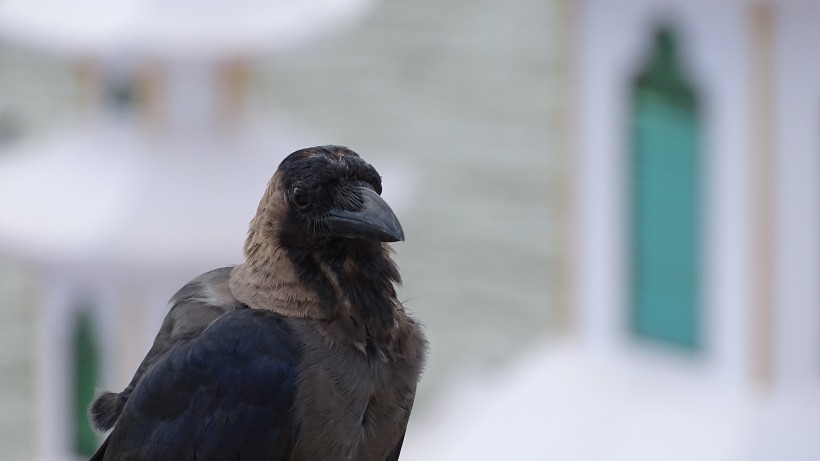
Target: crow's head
x=316, y=246
x=321, y=194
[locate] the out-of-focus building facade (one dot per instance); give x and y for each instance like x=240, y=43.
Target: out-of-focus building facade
x=692, y=153
x=693, y=161
x=152, y=182
x=687, y=321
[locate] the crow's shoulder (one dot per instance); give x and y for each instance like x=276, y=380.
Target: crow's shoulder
x=226, y=394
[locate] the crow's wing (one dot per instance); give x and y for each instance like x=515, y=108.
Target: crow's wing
x=226, y=394
x=195, y=306
x=394, y=455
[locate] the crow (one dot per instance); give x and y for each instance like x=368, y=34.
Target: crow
x=301, y=352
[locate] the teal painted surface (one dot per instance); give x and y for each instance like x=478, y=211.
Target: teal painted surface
x=86, y=378
x=666, y=202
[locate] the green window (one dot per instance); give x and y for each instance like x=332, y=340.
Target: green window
x=85, y=380
x=666, y=140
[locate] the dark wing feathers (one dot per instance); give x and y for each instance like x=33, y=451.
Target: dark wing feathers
x=195, y=306
x=227, y=393
x=394, y=455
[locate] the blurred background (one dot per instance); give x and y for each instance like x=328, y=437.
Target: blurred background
x=612, y=208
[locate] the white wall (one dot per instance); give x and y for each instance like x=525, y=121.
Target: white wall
x=797, y=270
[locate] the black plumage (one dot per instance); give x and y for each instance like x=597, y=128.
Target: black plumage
x=302, y=352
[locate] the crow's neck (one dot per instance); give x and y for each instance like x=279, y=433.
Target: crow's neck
x=267, y=280
x=346, y=286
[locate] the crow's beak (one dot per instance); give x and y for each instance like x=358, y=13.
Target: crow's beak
x=375, y=221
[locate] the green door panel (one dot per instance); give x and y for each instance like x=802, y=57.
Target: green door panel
x=666, y=256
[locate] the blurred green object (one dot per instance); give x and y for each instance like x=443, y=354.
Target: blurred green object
x=86, y=372
x=666, y=201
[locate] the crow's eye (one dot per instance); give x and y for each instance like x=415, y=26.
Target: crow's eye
x=301, y=198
